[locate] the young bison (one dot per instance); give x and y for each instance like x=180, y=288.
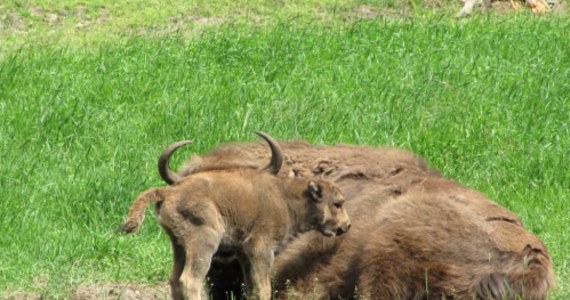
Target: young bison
x=249, y=212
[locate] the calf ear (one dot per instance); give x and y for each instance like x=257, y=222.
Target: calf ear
x=315, y=190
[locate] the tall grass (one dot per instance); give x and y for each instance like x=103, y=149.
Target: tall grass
x=485, y=100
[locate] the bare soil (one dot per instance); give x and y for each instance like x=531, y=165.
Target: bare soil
x=103, y=291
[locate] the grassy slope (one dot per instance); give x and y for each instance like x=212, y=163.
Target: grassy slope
x=485, y=100
x=88, y=23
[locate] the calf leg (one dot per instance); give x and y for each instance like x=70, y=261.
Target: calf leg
x=259, y=271
x=199, y=249
x=261, y=275
x=178, y=260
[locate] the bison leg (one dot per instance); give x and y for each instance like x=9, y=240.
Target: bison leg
x=178, y=260
x=258, y=273
x=197, y=264
x=199, y=244
x=261, y=276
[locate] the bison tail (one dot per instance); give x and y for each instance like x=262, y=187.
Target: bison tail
x=137, y=210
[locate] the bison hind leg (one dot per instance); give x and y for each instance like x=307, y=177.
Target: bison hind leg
x=198, y=257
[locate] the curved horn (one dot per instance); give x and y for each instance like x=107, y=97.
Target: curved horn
x=276, y=156
x=169, y=176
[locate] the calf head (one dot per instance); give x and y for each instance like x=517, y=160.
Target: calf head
x=326, y=211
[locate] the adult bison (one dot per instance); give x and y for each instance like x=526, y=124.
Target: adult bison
x=415, y=234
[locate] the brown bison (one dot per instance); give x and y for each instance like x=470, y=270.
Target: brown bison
x=251, y=213
x=415, y=234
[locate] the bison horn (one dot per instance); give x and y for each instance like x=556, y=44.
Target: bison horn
x=276, y=156
x=169, y=176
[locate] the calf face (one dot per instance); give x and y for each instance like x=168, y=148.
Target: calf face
x=326, y=209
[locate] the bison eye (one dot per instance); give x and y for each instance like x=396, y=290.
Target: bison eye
x=338, y=205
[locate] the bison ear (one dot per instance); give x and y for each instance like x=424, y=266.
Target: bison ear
x=315, y=191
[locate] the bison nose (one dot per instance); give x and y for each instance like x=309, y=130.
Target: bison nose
x=343, y=229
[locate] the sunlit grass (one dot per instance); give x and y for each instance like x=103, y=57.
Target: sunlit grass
x=484, y=100
x=78, y=23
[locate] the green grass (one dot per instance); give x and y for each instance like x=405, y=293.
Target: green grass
x=485, y=100
x=78, y=23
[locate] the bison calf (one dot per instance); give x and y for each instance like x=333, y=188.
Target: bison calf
x=249, y=212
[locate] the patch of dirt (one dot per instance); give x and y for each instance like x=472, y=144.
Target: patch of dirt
x=214, y=20
x=366, y=12
x=504, y=6
x=120, y=291
x=87, y=21
x=106, y=291
x=184, y=24
x=12, y=21
x=558, y=5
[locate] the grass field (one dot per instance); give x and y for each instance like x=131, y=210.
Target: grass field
x=85, y=113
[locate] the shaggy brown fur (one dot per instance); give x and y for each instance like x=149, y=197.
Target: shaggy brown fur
x=417, y=235
x=249, y=212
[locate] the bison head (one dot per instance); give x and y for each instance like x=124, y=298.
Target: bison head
x=326, y=210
